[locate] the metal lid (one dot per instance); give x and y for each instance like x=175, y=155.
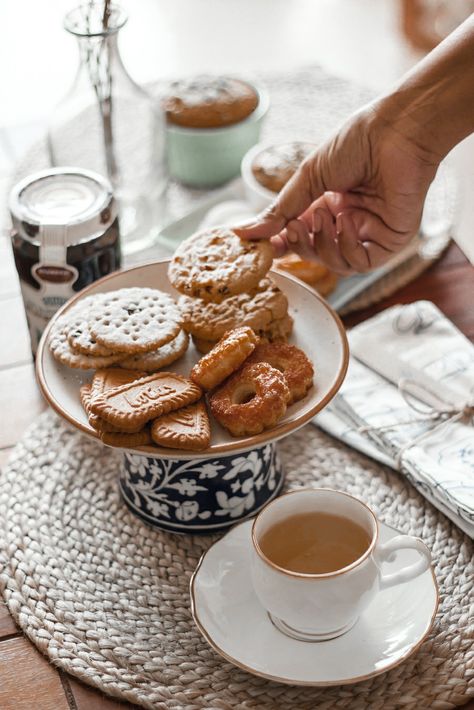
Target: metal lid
x=79, y=200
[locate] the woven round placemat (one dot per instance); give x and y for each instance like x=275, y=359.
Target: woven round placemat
x=105, y=597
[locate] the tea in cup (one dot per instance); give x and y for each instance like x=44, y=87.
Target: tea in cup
x=317, y=561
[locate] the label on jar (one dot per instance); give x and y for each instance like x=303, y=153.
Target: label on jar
x=55, y=284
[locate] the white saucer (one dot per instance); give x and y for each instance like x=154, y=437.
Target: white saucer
x=233, y=622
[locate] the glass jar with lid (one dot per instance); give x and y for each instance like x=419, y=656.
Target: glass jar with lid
x=65, y=236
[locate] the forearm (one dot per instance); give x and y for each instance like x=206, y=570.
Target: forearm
x=433, y=105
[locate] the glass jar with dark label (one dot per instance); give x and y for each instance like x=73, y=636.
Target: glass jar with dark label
x=65, y=236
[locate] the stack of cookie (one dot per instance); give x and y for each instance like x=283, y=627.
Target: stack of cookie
x=130, y=408
x=134, y=328
x=227, y=297
x=224, y=284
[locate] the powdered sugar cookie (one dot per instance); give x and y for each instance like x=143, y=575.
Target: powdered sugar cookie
x=216, y=263
x=78, y=331
x=81, y=339
x=207, y=101
x=62, y=351
x=135, y=320
x=209, y=321
x=162, y=357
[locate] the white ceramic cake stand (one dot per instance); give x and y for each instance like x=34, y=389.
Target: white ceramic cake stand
x=213, y=489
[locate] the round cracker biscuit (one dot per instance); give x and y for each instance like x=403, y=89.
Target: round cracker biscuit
x=81, y=339
x=135, y=320
x=77, y=329
x=162, y=357
x=209, y=321
x=62, y=351
x=216, y=263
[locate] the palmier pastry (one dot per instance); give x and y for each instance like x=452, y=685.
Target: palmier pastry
x=291, y=361
x=224, y=358
x=253, y=399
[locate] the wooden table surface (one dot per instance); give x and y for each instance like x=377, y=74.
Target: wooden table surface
x=27, y=680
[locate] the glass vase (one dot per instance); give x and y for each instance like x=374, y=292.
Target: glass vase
x=109, y=124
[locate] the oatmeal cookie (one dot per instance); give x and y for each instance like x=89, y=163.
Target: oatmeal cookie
x=215, y=264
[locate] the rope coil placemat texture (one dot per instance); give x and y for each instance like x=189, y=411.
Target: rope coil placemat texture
x=106, y=598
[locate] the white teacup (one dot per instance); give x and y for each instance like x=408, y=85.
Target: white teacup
x=316, y=607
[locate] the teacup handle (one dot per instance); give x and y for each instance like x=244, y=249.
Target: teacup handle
x=385, y=552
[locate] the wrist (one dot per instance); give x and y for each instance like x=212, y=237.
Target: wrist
x=433, y=105
x=405, y=114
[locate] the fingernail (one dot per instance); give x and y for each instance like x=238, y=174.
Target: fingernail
x=292, y=236
x=279, y=246
x=317, y=222
x=247, y=225
x=335, y=198
x=266, y=214
x=339, y=223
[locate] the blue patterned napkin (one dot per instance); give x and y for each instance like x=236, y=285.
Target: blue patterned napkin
x=372, y=415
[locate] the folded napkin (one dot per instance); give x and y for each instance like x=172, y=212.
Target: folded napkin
x=423, y=425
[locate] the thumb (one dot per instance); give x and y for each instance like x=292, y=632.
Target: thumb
x=297, y=195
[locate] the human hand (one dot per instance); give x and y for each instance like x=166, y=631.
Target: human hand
x=356, y=200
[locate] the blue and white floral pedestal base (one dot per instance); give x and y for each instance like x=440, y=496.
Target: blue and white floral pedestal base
x=200, y=495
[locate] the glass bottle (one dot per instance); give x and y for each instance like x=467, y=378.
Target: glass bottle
x=109, y=124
